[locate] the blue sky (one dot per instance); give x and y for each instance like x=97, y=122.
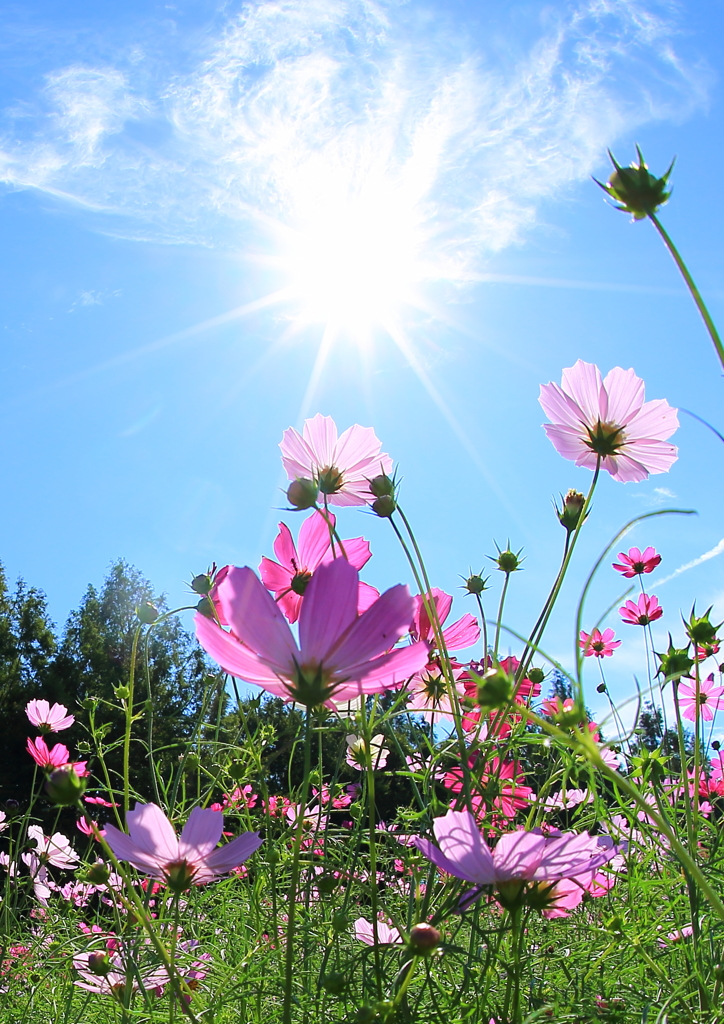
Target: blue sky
x=181, y=182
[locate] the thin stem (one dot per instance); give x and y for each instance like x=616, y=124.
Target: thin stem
x=294, y=884
x=695, y=293
x=503, y=593
x=129, y=721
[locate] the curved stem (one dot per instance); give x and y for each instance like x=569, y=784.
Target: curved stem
x=129, y=721
x=293, y=887
x=695, y=293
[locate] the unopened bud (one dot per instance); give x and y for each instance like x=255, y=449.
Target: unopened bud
x=98, y=873
x=639, y=192
x=147, y=612
x=302, y=494
x=569, y=514
x=601, y=688
x=507, y=561
x=476, y=583
x=122, y=692
x=424, y=938
x=334, y=982
x=206, y=607
x=340, y=921
x=202, y=583
x=326, y=884
x=382, y=486
x=536, y=675
x=495, y=689
x=716, y=745
x=384, y=506
x=63, y=787
x=100, y=964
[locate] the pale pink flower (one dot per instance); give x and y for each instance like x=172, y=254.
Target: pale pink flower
x=289, y=577
x=568, y=894
x=357, y=758
x=637, y=562
x=365, y=932
x=608, y=423
x=428, y=691
x=116, y=975
x=676, y=936
x=523, y=857
x=602, y=645
x=192, y=858
x=340, y=466
x=640, y=613
x=564, y=800
x=340, y=654
x=48, y=719
x=55, y=849
x=706, y=703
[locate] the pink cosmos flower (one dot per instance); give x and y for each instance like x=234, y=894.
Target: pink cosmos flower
x=340, y=654
x=55, y=849
x=522, y=857
x=602, y=645
x=637, y=562
x=191, y=858
x=289, y=577
x=568, y=894
x=640, y=613
x=428, y=691
x=708, y=701
x=364, y=931
x=463, y=633
x=108, y=974
x=497, y=786
x=609, y=423
x=340, y=466
x=676, y=936
x=57, y=756
x=48, y=719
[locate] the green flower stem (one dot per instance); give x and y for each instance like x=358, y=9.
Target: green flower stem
x=484, y=624
x=423, y=585
x=129, y=720
x=372, y=841
x=503, y=593
x=536, y=634
x=294, y=884
x=695, y=293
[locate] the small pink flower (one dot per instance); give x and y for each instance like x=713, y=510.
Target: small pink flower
x=364, y=931
x=676, y=936
x=602, y=645
x=340, y=466
x=289, y=577
x=708, y=701
x=704, y=651
x=190, y=859
x=640, y=613
x=57, y=756
x=340, y=654
x=608, y=424
x=637, y=562
x=48, y=719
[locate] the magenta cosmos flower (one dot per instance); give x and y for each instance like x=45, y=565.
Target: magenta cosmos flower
x=340, y=466
x=57, y=756
x=180, y=861
x=607, y=422
x=640, y=613
x=289, y=577
x=637, y=562
x=518, y=857
x=48, y=719
x=602, y=645
x=708, y=701
x=340, y=655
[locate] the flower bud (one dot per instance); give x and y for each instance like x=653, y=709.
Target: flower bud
x=601, y=688
x=302, y=494
x=384, y=506
x=202, y=583
x=507, y=561
x=569, y=514
x=536, y=675
x=382, y=486
x=476, y=583
x=340, y=921
x=700, y=629
x=206, y=607
x=716, y=745
x=639, y=192
x=147, y=612
x=98, y=873
x=675, y=663
x=424, y=938
x=334, y=982
x=100, y=964
x=63, y=787
x=122, y=692
x=495, y=689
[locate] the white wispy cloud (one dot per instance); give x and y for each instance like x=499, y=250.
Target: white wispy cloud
x=713, y=553
x=292, y=102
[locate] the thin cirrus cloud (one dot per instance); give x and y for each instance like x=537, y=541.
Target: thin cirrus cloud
x=291, y=103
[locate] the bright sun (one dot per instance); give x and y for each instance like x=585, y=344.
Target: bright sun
x=353, y=259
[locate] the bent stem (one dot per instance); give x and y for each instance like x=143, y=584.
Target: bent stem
x=695, y=293
x=129, y=721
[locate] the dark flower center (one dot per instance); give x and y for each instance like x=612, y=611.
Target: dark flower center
x=300, y=581
x=330, y=480
x=605, y=438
